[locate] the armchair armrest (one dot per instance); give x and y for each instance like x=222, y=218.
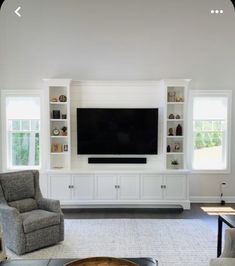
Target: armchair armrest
x=49, y=205
x=229, y=243
x=10, y=214
x=12, y=228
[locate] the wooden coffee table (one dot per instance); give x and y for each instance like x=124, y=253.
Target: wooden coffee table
x=230, y=221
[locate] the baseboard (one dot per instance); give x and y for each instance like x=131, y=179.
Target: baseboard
x=211, y=199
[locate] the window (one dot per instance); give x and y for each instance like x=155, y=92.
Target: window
x=210, y=126
x=22, y=131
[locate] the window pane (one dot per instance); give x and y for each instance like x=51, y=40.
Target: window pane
x=25, y=124
x=15, y=124
x=20, y=149
x=35, y=125
x=37, y=149
x=209, y=133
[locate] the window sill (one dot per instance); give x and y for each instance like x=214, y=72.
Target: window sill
x=219, y=171
x=22, y=168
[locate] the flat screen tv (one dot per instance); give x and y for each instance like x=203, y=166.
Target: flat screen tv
x=117, y=131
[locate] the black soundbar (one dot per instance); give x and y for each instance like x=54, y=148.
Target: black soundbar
x=115, y=160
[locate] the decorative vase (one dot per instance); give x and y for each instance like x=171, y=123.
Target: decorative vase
x=168, y=148
x=179, y=130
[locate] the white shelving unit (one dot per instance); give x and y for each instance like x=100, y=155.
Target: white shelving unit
x=59, y=146
x=175, y=116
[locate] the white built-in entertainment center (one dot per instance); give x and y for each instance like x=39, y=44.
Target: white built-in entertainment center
x=163, y=180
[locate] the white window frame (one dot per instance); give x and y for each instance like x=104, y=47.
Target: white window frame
x=18, y=93
x=208, y=93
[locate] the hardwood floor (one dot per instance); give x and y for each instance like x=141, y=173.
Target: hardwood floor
x=206, y=212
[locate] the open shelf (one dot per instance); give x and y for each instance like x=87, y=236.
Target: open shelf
x=175, y=120
x=58, y=137
x=173, y=153
x=175, y=128
x=180, y=103
x=59, y=153
x=58, y=120
x=58, y=103
x=59, y=145
x=175, y=137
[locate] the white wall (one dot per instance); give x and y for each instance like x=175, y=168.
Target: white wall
x=122, y=40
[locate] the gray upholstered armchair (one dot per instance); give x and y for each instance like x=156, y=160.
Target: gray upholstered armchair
x=29, y=221
x=227, y=257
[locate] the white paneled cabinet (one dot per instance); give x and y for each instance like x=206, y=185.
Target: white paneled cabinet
x=60, y=187
x=111, y=189
x=106, y=187
x=176, y=187
x=151, y=187
x=128, y=187
x=83, y=187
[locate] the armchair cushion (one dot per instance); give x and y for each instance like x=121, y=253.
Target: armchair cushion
x=38, y=219
x=24, y=205
x=18, y=185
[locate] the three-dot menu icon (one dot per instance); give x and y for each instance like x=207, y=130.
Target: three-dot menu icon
x=217, y=11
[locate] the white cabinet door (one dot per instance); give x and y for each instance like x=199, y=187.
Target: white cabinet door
x=129, y=187
x=176, y=187
x=106, y=187
x=151, y=187
x=83, y=187
x=60, y=187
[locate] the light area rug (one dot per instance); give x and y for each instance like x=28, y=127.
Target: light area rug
x=178, y=242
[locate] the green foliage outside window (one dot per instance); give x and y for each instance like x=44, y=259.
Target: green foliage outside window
x=207, y=134
x=20, y=148
x=24, y=142
x=37, y=149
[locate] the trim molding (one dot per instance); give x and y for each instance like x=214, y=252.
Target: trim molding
x=211, y=199
x=115, y=82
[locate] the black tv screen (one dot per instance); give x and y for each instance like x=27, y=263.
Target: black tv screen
x=117, y=131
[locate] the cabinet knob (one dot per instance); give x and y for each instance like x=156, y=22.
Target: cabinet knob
x=71, y=186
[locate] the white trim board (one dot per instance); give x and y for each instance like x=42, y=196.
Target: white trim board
x=211, y=199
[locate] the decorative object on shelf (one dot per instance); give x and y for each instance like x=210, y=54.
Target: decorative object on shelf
x=64, y=116
x=170, y=132
x=179, y=130
x=175, y=164
x=56, y=114
x=55, y=132
x=63, y=98
x=171, y=116
x=171, y=96
x=54, y=100
x=65, y=147
x=179, y=99
x=168, y=148
x=177, y=147
x=177, y=117
x=64, y=131
x=56, y=147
